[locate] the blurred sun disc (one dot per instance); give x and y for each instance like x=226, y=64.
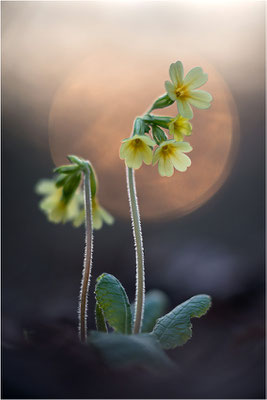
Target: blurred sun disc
x=94, y=110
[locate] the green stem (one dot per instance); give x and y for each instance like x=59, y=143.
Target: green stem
x=139, y=253
x=88, y=255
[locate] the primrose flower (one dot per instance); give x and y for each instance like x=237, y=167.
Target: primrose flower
x=100, y=215
x=182, y=90
x=170, y=154
x=53, y=206
x=180, y=127
x=137, y=149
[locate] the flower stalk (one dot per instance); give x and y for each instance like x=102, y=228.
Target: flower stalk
x=88, y=255
x=139, y=252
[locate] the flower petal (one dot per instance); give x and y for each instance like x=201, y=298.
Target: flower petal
x=124, y=150
x=45, y=186
x=106, y=216
x=177, y=73
x=156, y=156
x=147, y=155
x=195, y=78
x=134, y=159
x=165, y=166
x=180, y=161
x=170, y=90
x=200, y=99
x=184, y=147
x=147, y=140
x=184, y=108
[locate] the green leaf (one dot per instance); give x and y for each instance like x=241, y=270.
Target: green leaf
x=162, y=102
x=120, y=351
x=174, y=329
x=70, y=186
x=156, y=304
x=99, y=319
x=113, y=300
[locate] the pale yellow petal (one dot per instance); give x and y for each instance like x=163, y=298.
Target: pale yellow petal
x=178, y=136
x=147, y=155
x=165, y=166
x=106, y=216
x=156, y=156
x=184, y=108
x=177, y=73
x=170, y=90
x=185, y=147
x=180, y=161
x=134, y=159
x=147, y=140
x=195, y=78
x=45, y=186
x=124, y=150
x=200, y=99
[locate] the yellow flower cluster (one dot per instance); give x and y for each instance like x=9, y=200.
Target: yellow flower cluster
x=169, y=153
x=57, y=210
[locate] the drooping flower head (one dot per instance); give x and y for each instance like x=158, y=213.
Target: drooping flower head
x=170, y=155
x=53, y=205
x=137, y=149
x=180, y=127
x=182, y=90
x=100, y=215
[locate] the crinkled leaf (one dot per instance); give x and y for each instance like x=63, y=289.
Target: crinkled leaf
x=121, y=351
x=113, y=300
x=174, y=328
x=156, y=304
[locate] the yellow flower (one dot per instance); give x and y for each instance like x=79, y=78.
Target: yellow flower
x=171, y=154
x=53, y=206
x=100, y=215
x=137, y=149
x=180, y=127
x=182, y=90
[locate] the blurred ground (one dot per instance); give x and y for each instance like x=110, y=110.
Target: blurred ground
x=217, y=249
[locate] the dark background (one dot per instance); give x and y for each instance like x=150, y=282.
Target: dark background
x=217, y=249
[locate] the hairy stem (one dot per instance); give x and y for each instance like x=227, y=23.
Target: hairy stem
x=88, y=255
x=139, y=253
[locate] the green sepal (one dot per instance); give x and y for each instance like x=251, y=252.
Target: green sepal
x=156, y=305
x=140, y=127
x=162, y=102
x=113, y=300
x=76, y=160
x=158, y=120
x=99, y=319
x=70, y=186
x=175, y=329
x=122, y=351
x=60, y=180
x=66, y=169
x=158, y=134
x=93, y=180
